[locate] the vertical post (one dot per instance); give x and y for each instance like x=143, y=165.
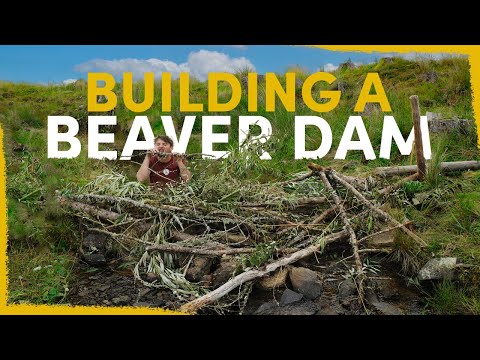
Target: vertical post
x=421, y=166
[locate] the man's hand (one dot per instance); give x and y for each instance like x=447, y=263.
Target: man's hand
x=179, y=158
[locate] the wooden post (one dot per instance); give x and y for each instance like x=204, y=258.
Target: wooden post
x=421, y=166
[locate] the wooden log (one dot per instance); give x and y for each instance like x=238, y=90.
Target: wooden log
x=444, y=167
x=195, y=251
x=195, y=305
x=421, y=166
x=91, y=210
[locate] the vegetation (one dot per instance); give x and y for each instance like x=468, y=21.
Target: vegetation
x=41, y=237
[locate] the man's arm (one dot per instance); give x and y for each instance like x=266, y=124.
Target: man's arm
x=143, y=174
x=185, y=174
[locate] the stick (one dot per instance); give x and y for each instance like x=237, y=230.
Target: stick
x=353, y=237
x=422, y=167
x=384, y=231
x=399, y=183
x=195, y=305
x=382, y=214
x=300, y=178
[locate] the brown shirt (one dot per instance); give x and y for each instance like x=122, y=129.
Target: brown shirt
x=164, y=172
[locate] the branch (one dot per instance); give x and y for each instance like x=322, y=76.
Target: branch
x=195, y=305
x=382, y=214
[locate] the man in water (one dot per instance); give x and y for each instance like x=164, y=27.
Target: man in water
x=161, y=166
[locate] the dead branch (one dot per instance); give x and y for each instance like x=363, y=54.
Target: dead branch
x=195, y=305
x=382, y=214
x=384, y=231
x=398, y=184
x=300, y=178
x=348, y=227
x=444, y=167
x=421, y=166
x=91, y=210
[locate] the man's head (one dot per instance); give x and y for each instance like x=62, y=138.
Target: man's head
x=164, y=144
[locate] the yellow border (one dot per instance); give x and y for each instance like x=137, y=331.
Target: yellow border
x=473, y=52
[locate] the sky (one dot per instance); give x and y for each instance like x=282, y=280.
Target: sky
x=66, y=63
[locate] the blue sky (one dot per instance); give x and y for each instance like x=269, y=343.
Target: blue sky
x=60, y=63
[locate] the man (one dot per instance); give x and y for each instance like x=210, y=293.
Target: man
x=161, y=166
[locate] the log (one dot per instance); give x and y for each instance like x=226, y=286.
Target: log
x=444, y=167
x=421, y=166
x=91, y=210
x=195, y=251
x=193, y=306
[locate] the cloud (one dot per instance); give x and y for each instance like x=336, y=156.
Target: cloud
x=69, y=81
x=330, y=67
x=241, y=47
x=198, y=64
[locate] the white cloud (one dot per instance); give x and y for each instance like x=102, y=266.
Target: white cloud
x=241, y=47
x=69, y=81
x=330, y=67
x=199, y=64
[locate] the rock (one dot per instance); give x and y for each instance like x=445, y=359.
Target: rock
x=121, y=300
x=439, y=268
x=290, y=297
x=94, y=242
x=450, y=125
x=304, y=308
x=274, y=281
x=95, y=259
x=306, y=282
x=387, y=309
x=224, y=272
x=198, y=269
x=265, y=308
x=419, y=198
x=380, y=241
x=431, y=116
x=347, y=288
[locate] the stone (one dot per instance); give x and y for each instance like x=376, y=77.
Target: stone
x=276, y=280
x=380, y=241
x=290, y=297
x=438, y=268
x=265, y=307
x=387, y=309
x=347, y=288
x=198, y=269
x=121, y=300
x=96, y=259
x=94, y=242
x=306, y=282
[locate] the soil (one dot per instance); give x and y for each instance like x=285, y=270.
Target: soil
x=387, y=292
